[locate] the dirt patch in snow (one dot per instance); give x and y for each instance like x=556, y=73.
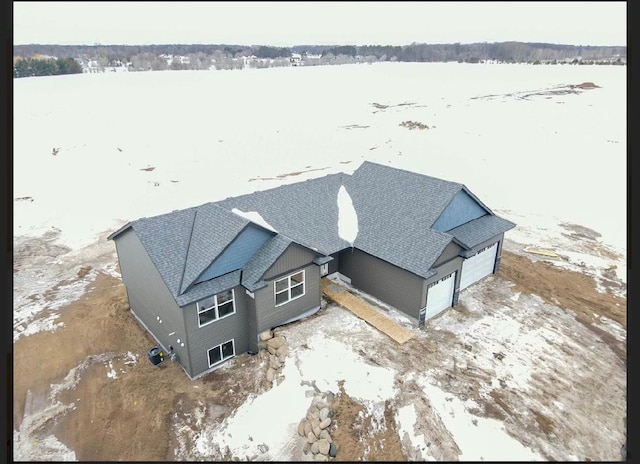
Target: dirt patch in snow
x=570, y=290
x=121, y=407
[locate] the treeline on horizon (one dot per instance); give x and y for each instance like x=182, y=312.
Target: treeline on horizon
x=224, y=56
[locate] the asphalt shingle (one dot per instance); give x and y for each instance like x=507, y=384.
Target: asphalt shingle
x=479, y=230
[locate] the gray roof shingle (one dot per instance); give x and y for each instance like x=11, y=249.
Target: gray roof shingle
x=481, y=229
x=396, y=210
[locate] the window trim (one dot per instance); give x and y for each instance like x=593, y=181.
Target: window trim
x=215, y=308
x=233, y=346
x=289, y=287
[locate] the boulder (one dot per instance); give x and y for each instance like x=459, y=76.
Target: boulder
x=317, y=431
x=333, y=450
x=323, y=446
x=307, y=428
x=262, y=345
x=306, y=449
x=315, y=447
x=266, y=335
x=319, y=404
x=276, y=342
x=274, y=362
x=279, y=379
x=329, y=396
x=315, y=412
x=301, y=428
x=325, y=435
x=320, y=457
x=325, y=423
x=311, y=438
x=271, y=349
x=283, y=351
x=324, y=413
x=271, y=374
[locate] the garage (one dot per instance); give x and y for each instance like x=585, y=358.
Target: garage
x=478, y=266
x=440, y=295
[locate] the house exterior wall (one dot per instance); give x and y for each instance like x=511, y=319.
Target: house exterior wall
x=149, y=297
x=201, y=339
x=454, y=264
x=269, y=315
x=252, y=323
x=391, y=284
x=334, y=264
x=294, y=257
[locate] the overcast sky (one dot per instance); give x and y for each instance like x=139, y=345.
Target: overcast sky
x=318, y=23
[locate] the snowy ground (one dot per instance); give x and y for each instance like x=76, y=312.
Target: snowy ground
x=92, y=152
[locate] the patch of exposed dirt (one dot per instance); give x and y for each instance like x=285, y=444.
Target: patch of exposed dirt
x=569, y=290
x=132, y=415
x=148, y=169
x=411, y=125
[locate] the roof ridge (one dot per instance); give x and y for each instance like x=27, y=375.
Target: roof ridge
x=184, y=266
x=415, y=173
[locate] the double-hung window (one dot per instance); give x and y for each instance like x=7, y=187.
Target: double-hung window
x=220, y=353
x=289, y=288
x=216, y=307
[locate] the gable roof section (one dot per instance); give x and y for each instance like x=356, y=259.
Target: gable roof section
x=214, y=228
x=479, y=230
x=262, y=261
x=396, y=210
x=305, y=211
x=166, y=239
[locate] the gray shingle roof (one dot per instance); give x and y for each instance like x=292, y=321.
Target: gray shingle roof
x=305, y=211
x=396, y=210
x=262, y=261
x=214, y=228
x=479, y=230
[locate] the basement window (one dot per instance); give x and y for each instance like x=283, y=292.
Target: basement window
x=216, y=307
x=222, y=352
x=289, y=288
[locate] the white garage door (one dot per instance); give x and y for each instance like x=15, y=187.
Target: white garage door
x=440, y=295
x=478, y=266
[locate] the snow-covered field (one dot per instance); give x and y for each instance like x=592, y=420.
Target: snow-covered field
x=94, y=151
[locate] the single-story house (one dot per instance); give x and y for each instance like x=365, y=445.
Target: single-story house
x=208, y=280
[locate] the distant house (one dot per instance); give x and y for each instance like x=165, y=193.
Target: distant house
x=208, y=280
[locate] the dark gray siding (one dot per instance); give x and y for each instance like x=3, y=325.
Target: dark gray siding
x=252, y=324
x=334, y=264
x=201, y=339
x=268, y=315
x=389, y=283
x=293, y=258
x=149, y=298
x=451, y=251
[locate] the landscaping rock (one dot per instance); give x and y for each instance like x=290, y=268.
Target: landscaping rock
x=329, y=396
x=306, y=449
x=276, y=342
x=333, y=450
x=309, y=393
x=307, y=428
x=262, y=345
x=267, y=335
x=323, y=446
x=311, y=438
x=315, y=447
x=271, y=374
x=324, y=413
x=319, y=404
x=301, y=428
x=325, y=423
x=271, y=349
x=315, y=412
x=274, y=362
x=317, y=431
x=320, y=457
x=325, y=435
x=283, y=351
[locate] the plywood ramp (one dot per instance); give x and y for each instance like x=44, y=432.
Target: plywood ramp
x=365, y=311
